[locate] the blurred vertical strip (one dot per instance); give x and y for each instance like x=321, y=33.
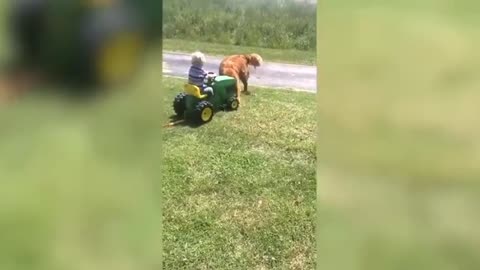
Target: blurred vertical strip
x=80, y=179
x=398, y=150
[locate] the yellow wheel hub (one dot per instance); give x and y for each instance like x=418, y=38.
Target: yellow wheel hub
x=119, y=57
x=206, y=114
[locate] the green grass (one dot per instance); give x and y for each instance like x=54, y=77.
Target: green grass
x=271, y=55
x=239, y=192
x=398, y=148
x=284, y=24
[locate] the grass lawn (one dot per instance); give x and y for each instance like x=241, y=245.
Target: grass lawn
x=239, y=192
x=398, y=172
x=270, y=55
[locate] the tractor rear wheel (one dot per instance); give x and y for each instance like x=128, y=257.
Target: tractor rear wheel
x=27, y=20
x=179, y=104
x=114, y=44
x=203, y=112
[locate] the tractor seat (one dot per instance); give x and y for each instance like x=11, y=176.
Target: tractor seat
x=194, y=91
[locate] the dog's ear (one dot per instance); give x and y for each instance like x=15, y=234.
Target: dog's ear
x=247, y=56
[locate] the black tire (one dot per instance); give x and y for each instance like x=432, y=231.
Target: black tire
x=100, y=28
x=203, y=112
x=27, y=22
x=233, y=103
x=179, y=105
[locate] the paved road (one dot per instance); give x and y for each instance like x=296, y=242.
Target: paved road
x=274, y=75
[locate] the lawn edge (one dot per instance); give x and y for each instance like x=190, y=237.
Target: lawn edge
x=300, y=63
x=260, y=86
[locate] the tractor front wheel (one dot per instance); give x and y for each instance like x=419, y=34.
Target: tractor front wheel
x=233, y=104
x=203, y=112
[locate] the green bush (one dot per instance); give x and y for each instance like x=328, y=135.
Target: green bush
x=259, y=23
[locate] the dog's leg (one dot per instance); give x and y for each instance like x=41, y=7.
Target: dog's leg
x=245, y=88
x=244, y=80
x=239, y=90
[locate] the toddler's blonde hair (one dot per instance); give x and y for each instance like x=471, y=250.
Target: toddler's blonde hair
x=198, y=58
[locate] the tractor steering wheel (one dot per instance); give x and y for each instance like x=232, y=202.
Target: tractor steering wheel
x=210, y=77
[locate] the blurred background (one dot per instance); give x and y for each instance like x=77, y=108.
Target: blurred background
x=253, y=23
x=398, y=149
x=79, y=177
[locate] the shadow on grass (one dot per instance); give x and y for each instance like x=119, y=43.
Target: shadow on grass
x=17, y=82
x=177, y=121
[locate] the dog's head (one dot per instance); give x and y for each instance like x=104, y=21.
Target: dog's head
x=254, y=59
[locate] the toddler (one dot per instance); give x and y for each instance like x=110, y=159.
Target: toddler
x=196, y=74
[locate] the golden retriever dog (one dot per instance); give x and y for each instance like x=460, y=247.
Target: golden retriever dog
x=237, y=66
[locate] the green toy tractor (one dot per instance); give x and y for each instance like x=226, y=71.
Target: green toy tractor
x=97, y=42
x=198, y=107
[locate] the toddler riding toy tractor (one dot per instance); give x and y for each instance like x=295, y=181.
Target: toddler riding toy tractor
x=97, y=42
x=198, y=107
